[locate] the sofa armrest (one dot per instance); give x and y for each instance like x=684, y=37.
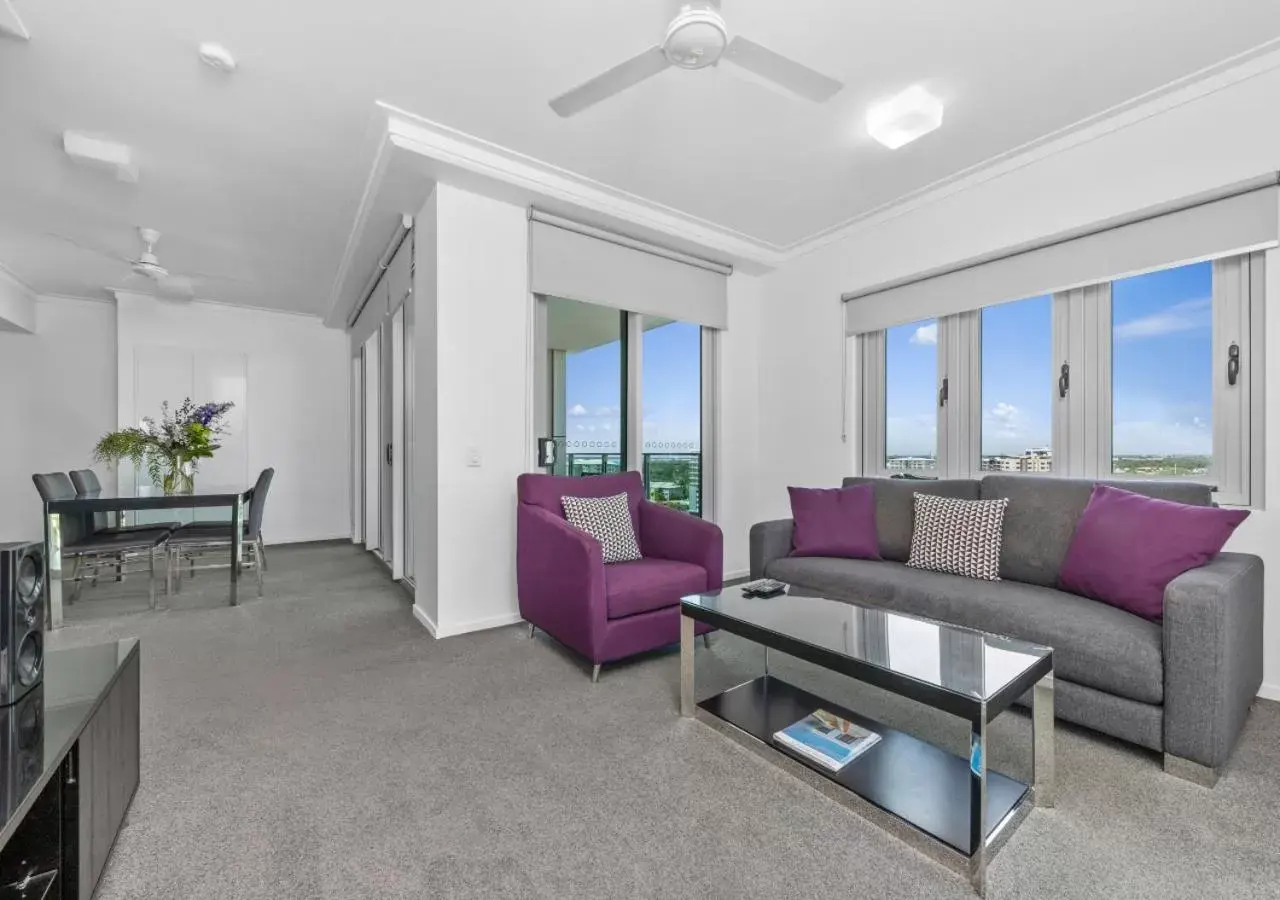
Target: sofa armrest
x=667, y=533
x=769, y=541
x=560, y=578
x=1212, y=656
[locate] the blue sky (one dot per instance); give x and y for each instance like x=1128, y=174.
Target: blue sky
x=1161, y=371
x=671, y=395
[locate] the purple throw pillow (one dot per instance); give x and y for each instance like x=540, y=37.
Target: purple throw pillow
x=1127, y=547
x=835, y=522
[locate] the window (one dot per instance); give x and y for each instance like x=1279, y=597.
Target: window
x=588, y=386
x=1162, y=373
x=671, y=427
x=1017, y=401
x=1148, y=376
x=911, y=399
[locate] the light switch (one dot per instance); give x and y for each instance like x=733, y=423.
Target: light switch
x=473, y=457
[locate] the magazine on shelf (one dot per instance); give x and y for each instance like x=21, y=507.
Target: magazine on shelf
x=827, y=739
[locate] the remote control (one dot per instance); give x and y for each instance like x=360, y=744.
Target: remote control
x=764, y=587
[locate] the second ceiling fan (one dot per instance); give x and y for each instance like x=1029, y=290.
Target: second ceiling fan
x=696, y=38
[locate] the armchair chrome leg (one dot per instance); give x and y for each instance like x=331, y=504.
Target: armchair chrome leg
x=151, y=577
x=120, y=567
x=168, y=572
x=706, y=640
x=595, y=673
x=532, y=629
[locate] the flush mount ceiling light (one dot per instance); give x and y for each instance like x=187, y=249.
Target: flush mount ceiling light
x=101, y=153
x=216, y=56
x=901, y=119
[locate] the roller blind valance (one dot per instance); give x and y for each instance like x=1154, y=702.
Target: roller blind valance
x=577, y=266
x=1210, y=230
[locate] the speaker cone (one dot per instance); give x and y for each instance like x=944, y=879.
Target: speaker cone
x=30, y=657
x=30, y=581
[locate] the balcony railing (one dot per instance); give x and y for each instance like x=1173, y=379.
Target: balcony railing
x=672, y=479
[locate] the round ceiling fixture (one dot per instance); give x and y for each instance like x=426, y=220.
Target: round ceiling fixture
x=696, y=37
x=216, y=56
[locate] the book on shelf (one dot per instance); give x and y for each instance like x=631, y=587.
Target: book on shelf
x=827, y=739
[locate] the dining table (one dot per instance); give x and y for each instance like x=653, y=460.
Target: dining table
x=129, y=500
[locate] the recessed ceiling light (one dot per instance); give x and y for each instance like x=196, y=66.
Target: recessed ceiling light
x=901, y=119
x=216, y=56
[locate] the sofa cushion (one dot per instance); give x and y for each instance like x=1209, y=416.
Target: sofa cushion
x=1093, y=644
x=1043, y=512
x=1127, y=548
x=834, y=522
x=961, y=537
x=895, y=507
x=649, y=584
x=608, y=520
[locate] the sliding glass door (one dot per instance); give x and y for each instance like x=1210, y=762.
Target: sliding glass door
x=618, y=390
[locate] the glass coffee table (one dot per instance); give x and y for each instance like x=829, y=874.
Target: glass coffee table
x=953, y=809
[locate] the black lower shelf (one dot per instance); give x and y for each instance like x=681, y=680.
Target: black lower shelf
x=923, y=785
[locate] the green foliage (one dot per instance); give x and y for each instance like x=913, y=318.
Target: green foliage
x=170, y=449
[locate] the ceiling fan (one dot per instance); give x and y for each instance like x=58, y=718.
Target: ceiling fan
x=147, y=271
x=696, y=38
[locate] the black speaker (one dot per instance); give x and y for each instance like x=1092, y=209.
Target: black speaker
x=22, y=601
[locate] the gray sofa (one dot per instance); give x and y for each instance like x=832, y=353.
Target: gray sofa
x=1183, y=687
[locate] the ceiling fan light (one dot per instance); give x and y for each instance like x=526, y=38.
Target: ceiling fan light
x=900, y=120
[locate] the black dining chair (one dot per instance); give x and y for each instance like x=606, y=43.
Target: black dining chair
x=197, y=538
x=85, y=481
x=81, y=543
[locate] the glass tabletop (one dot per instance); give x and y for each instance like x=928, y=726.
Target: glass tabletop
x=961, y=661
x=146, y=491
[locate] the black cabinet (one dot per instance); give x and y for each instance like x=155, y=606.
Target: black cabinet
x=104, y=780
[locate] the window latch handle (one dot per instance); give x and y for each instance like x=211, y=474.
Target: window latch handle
x=1064, y=381
x=1233, y=363
x=942, y=392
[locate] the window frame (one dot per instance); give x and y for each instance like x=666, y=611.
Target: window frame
x=1083, y=416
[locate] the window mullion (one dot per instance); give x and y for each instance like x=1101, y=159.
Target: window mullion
x=959, y=416
x=871, y=402
x=1232, y=384
x=1082, y=400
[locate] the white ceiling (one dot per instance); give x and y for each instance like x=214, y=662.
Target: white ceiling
x=258, y=176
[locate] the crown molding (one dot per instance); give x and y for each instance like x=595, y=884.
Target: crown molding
x=336, y=315
x=461, y=151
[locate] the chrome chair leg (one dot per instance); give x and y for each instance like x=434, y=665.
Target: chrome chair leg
x=257, y=564
x=532, y=629
x=75, y=581
x=151, y=578
x=595, y=673
x=262, y=553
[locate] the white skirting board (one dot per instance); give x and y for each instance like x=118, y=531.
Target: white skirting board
x=465, y=627
x=1269, y=692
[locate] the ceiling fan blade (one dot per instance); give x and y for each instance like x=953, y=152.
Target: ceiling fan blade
x=784, y=72
x=614, y=81
x=206, y=276
x=90, y=249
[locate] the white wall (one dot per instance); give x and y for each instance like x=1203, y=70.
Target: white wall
x=737, y=435
x=59, y=398
x=288, y=376
x=477, y=249
x=1209, y=141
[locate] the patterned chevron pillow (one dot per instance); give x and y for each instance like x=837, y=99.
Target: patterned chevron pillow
x=960, y=537
x=608, y=520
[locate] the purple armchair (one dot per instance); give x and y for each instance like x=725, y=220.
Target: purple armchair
x=609, y=612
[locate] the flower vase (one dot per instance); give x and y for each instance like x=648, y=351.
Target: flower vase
x=179, y=477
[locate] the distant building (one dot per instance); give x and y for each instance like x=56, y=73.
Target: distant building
x=910, y=463
x=1037, y=459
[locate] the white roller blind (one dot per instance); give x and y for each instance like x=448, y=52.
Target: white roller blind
x=1211, y=230
x=577, y=267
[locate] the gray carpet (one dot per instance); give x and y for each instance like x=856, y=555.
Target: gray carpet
x=319, y=744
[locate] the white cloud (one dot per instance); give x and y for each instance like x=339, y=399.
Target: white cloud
x=1190, y=315
x=926, y=334
x=606, y=426
x=577, y=410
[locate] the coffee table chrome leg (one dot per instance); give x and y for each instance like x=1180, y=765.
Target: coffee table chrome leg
x=1042, y=741
x=978, y=804
x=687, y=638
